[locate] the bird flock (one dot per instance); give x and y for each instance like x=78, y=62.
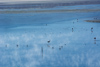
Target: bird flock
x=60, y=47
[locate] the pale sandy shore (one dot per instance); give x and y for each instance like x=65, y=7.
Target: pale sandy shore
x=48, y=11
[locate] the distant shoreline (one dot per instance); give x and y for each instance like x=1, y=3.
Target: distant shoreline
x=48, y=11
x=44, y=5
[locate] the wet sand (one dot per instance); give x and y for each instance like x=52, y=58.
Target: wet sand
x=94, y=21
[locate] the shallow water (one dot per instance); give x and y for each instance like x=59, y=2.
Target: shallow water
x=67, y=48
